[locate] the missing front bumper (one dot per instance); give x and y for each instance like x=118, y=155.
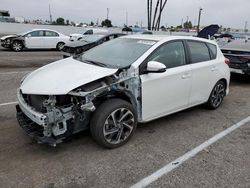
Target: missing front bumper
x=34, y=130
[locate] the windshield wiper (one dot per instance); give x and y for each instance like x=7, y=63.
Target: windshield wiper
x=95, y=63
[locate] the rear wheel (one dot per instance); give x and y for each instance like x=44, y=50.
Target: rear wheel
x=60, y=46
x=17, y=46
x=113, y=123
x=217, y=95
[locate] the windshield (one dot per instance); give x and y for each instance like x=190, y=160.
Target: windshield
x=92, y=38
x=22, y=34
x=118, y=53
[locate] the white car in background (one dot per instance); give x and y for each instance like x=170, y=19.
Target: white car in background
x=113, y=86
x=77, y=36
x=35, y=39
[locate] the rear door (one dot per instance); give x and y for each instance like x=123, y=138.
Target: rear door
x=204, y=72
x=34, y=39
x=168, y=92
x=51, y=39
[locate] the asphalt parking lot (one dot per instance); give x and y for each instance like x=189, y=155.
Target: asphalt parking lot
x=82, y=163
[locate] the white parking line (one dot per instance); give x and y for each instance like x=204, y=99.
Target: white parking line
x=20, y=72
x=177, y=162
x=8, y=103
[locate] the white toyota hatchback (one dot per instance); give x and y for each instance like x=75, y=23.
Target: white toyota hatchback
x=112, y=87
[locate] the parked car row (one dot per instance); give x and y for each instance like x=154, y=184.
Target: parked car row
x=112, y=87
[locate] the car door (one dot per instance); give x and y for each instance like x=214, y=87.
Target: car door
x=168, y=92
x=51, y=39
x=204, y=72
x=34, y=39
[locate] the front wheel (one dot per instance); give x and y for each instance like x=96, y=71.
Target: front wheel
x=113, y=123
x=17, y=46
x=217, y=95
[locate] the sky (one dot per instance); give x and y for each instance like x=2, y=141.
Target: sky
x=228, y=13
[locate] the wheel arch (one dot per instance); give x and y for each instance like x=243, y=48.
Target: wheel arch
x=19, y=40
x=225, y=82
x=124, y=95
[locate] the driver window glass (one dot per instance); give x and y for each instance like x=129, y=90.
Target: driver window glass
x=36, y=34
x=170, y=54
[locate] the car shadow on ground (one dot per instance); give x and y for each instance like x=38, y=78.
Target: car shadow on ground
x=84, y=138
x=237, y=79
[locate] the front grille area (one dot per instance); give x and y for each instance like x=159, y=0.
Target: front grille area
x=36, y=101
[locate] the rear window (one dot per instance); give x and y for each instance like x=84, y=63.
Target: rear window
x=199, y=51
x=213, y=49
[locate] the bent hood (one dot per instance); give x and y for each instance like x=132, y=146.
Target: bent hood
x=63, y=76
x=8, y=36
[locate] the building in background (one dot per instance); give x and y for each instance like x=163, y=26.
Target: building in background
x=19, y=19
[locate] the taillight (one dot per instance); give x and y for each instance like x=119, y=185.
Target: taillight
x=227, y=61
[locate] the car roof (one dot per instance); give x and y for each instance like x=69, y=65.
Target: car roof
x=44, y=30
x=159, y=38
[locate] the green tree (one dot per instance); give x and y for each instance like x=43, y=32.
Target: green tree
x=60, y=21
x=188, y=25
x=179, y=27
x=92, y=24
x=107, y=23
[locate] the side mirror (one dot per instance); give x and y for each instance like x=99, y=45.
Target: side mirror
x=29, y=35
x=155, y=67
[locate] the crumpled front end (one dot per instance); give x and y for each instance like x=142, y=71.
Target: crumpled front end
x=6, y=43
x=50, y=119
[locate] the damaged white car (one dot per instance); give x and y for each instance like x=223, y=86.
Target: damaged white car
x=112, y=87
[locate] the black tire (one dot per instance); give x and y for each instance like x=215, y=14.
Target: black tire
x=118, y=133
x=17, y=46
x=217, y=95
x=60, y=46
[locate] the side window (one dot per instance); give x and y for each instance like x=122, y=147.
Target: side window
x=170, y=54
x=36, y=34
x=106, y=39
x=51, y=34
x=111, y=37
x=213, y=49
x=199, y=51
x=89, y=32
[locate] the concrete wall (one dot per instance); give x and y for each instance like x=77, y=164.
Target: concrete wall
x=14, y=28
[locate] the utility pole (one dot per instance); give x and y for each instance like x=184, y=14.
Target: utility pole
x=199, y=20
x=50, y=15
x=107, y=13
x=245, y=28
x=126, y=18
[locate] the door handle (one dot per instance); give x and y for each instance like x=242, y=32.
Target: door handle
x=186, y=76
x=214, y=68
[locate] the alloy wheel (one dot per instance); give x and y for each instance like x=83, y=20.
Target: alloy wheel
x=17, y=46
x=218, y=95
x=118, y=126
